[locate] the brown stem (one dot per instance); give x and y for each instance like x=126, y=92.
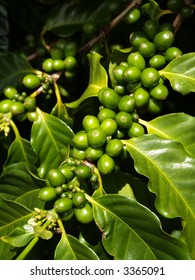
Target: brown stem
x=179, y=19
x=110, y=26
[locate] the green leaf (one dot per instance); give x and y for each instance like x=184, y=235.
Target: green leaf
x=50, y=137
x=21, y=151
x=17, y=183
x=13, y=68
x=68, y=18
x=97, y=79
x=69, y=248
x=20, y=236
x=170, y=170
x=132, y=232
x=12, y=215
x=176, y=126
x=181, y=73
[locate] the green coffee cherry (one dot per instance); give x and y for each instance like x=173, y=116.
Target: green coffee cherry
x=135, y=130
x=96, y=137
x=150, y=28
x=136, y=38
x=47, y=65
x=82, y=171
x=5, y=106
x=79, y=199
x=118, y=73
x=30, y=103
x=147, y=49
x=109, y=126
x=84, y=215
x=136, y=59
x=78, y=154
x=120, y=89
x=17, y=108
x=123, y=119
x=90, y=122
x=63, y=204
x=141, y=97
x=163, y=40
x=109, y=98
x=31, y=81
x=70, y=62
x=10, y=92
x=114, y=147
x=56, y=53
x=159, y=92
x=158, y=61
x=55, y=177
x=187, y=11
x=105, y=164
x=150, y=77
x=172, y=53
x=47, y=194
x=106, y=113
x=126, y=104
x=174, y=5
x=93, y=154
x=166, y=26
x=132, y=73
x=58, y=65
x=80, y=140
x=133, y=16
x=71, y=48
x=67, y=171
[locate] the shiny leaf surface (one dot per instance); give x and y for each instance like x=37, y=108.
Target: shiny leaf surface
x=171, y=125
x=97, y=79
x=130, y=231
x=69, y=248
x=170, y=170
x=50, y=138
x=181, y=73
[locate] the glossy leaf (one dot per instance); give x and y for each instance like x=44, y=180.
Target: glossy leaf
x=20, y=236
x=68, y=18
x=181, y=73
x=69, y=248
x=97, y=79
x=12, y=215
x=170, y=170
x=50, y=137
x=17, y=183
x=171, y=125
x=13, y=68
x=21, y=151
x=130, y=231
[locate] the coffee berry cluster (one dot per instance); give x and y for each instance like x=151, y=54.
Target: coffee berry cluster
x=66, y=189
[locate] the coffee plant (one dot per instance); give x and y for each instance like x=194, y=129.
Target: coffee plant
x=97, y=130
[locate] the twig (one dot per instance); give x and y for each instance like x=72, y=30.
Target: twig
x=110, y=26
x=179, y=19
